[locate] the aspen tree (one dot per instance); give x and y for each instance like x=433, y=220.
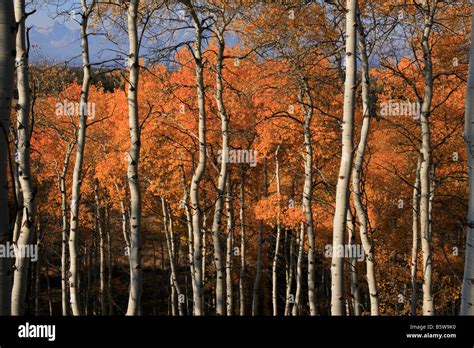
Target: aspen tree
x=134, y=300
x=242, y=243
x=342, y=192
x=7, y=45
x=415, y=239
x=74, y=297
x=357, y=172
x=429, y=10
x=467, y=295
x=26, y=236
x=221, y=184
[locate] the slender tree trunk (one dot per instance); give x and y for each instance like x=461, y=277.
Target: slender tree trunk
x=64, y=232
x=88, y=264
x=77, y=176
x=258, y=273
x=204, y=251
x=242, y=243
x=289, y=272
x=357, y=173
x=17, y=186
x=467, y=295
x=20, y=271
x=126, y=236
x=356, y=306
x=37, y=285
x=185, y=206
x=230, y=250
x=171, y=253
x=308, y=192
x=277, y=243
x=109, y=261
x=201, y=167
x=134, y=300
x=174, y=243
x=7, y=45
x=100, y=233
x=414, y=249
x=342, y=191
x=428, y=306
x=221, y=184
x=299, y=273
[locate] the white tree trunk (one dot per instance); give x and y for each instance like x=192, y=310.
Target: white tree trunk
x=360, y=209
x=20, y=271
x=414, y=248
x=134, y=300
x=307, y=102
x=299, y=273
x=230, y=250
x=7, y=44
x=77, y=175
x=355, y=298
x=342, y=192
x=171, y=253
x=467, y=295
x=201, y=167
x=109, y=260
x=64, y=233
x=100, y=232
x=425, y=186
x=289, y=273
x=221, y=184
x=242, y=243
x=277, y=242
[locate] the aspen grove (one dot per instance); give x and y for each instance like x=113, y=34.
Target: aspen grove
x=238, y=157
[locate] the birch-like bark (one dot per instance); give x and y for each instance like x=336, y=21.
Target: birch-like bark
x=355, y=297
x=201, y=167
x=429, y=9
x=100, y=233
x=221, y=183
x=109, y=260
x=277, y=242
x=18, y=193
x=25, y=238
x=64, y=231
x=342, y=191
x=467, y=294
x=77, y=175
x=204, y=252
x=171, y=253
x=242, y=243
x=306, y=101
x=7, y=45
x=189, y=224
x=414, y=248
x=299, y=273
x=357, y=174
x=230, y=250
x=126, y=237
x=134, y=300
x=289, y=272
